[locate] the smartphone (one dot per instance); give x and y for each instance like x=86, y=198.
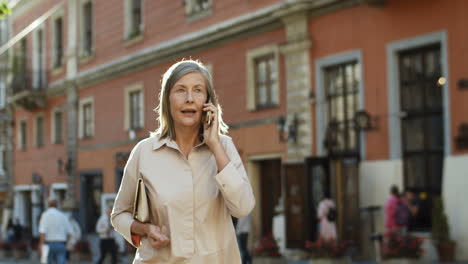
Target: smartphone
x=208, y=115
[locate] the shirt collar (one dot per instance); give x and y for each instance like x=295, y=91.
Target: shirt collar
x=158, y=142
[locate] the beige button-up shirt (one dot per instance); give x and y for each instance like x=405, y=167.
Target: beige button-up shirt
x=189, y=199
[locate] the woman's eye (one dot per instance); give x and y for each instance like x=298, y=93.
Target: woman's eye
x=198, y=90
x=180, y=90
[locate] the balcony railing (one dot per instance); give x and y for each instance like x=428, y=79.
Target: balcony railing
x=29, y=89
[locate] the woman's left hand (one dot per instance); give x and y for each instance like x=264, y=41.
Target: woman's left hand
x=210, y=131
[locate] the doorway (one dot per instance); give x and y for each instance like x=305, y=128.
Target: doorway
x=90, y=200
x=422, y=127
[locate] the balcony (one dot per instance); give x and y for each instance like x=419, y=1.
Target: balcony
x=29, y=92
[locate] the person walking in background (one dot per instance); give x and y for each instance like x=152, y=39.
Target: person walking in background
x=327, y=217
x=106, y=235
x=243, y=228
x=412, y=202
x=391, y=207
x=54, y=230
x=75, y=235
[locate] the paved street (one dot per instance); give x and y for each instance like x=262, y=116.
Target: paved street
x=25, y=261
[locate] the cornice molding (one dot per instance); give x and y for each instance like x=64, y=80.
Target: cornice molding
x=262, y=20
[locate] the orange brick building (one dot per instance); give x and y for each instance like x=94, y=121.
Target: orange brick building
x=291, y=76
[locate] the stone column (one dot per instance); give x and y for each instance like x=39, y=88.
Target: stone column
x=298, y=75
x=36, y=210
x=70, y=202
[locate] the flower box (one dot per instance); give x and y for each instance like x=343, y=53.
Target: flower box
x=401, y=261
x=20, y=254
x=268, y=260
x=329, y=261
x=396, y=246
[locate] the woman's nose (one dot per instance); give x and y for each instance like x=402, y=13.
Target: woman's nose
x=189, y=98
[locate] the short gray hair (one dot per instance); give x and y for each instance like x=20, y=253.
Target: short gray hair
x=170, y=77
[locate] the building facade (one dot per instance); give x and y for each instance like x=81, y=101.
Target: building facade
x=338, y=97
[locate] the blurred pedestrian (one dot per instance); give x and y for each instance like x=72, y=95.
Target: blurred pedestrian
x=412, y=202
x=391, y=207
x=327, y=215
x=106, y=235
x=17, y=230
x=54, y=230
x=75, y=235
x=243, y=228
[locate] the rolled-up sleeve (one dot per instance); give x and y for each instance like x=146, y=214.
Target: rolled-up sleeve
x=235, y=185
x=122, y=213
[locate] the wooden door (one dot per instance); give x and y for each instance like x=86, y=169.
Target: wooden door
x=296, y=186
x=270, y=171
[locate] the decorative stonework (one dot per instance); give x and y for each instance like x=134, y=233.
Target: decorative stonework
x=296, y=54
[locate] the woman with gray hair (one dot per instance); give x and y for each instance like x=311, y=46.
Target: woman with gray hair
x=194, y=177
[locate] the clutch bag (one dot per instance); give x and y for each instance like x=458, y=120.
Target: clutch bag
x=141, y=206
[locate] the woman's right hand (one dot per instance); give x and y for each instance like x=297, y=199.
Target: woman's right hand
x=156, y=237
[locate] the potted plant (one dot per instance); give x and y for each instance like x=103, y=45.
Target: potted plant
x=81, y=251
x=401, y=249
x=267, y=252
x=327, y=251
x=20, y=250
x=441, y=233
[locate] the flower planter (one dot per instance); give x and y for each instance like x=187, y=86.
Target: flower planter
x=268, y=260
x=5, y=253
x=401, y=261
x=329, y=261
x=20, y=254
x=79, y=256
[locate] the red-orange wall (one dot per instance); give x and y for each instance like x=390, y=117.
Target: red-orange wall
x=371, y=30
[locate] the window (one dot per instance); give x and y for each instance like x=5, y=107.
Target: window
x=133, y=18
x=87, y=29
x=135, y=105
x=134, y=110
x=263, y=78
x=341, y=93
x=58, y=43
x=266, y=85
x=57, y=126
x=39, y=133
x=86, y=118
x=196, y=6
x=23, y=56
x=3, y=162
x=38, y=59
x=136, y=17
x=422, y=126
x=22, y=135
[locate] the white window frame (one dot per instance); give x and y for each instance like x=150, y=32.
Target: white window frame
x=321, y=101
x=57, y=15
x=81, y=103
x=35, y=130
x=138, y=87
x=83, y=52
x=251, y=56
x=38, y=69
x=128, y=19
x=394, y=120
x=53, y=137
x=19, y=135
